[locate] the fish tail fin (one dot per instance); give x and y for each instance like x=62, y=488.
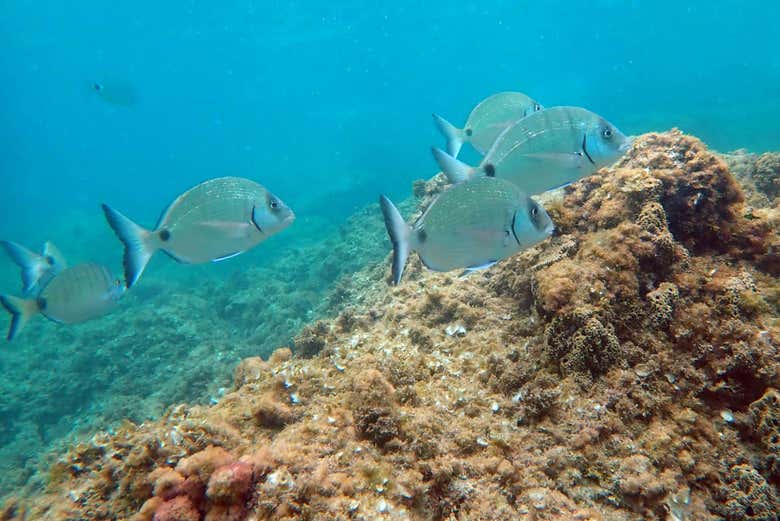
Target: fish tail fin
x=21, y=311
x=456, y=171
x=399, y=233
x=33, y=265
x=453, y=134
x=138, y=241
x=52, y=252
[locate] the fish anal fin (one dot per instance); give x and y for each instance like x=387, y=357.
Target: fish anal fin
x=228, y=256
x=471, y=269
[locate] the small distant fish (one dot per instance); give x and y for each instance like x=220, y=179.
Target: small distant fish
x=118, y=93
x=37, y=270
x=77, y=294
x=471, y=225
x=545, y=150
x=486, y=121
x=213, y=221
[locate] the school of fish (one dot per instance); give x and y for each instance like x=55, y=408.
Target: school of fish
x=486, y=215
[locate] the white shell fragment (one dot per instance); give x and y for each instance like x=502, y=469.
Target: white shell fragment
x=455, y=330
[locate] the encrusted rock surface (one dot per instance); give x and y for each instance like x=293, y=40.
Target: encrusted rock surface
x=626, y=369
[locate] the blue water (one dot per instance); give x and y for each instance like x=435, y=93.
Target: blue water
x=329, y=103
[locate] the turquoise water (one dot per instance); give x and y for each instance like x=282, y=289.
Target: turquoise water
x=327, y=104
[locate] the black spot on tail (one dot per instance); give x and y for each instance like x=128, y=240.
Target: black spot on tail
x=50, y=260
x=41, y=302
x=469, y=132
x=422, y=235
x=165, y=235
x=490, y=170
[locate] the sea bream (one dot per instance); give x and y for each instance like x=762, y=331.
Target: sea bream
x=213, y=221
x=36, y=269
x=487, y=120
x=77, y=294
x=545, y=150
x=470, y=225
x=116, y=92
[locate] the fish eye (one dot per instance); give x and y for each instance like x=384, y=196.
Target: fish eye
x=537, y=107
x=273, y=203
x=534, y=211
x=606, y=133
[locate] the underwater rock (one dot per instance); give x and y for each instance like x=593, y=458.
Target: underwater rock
x=766, y=174
x=179, y=508
x=663, y=300
x=250, y=370
x=746, y=496
x=166, y=482
x=760, y=173
x=373, y=409
x=271, y=413
x=230, y=483
x=580, y=343
x=311, y=339
x=202, y=464
x=603, y=372
x=765, y=425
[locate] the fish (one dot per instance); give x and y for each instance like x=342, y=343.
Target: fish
x=487, y=120
x=37, y=269
x=116, y=92
x=545, y=150
x=77, y=294
x=470, y=225
x=213, y=221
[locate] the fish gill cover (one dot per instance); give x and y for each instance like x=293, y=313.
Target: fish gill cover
x=625, y=369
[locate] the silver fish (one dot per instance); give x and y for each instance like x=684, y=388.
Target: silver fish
x=77, y=294
x=116, y=92
x=471, y=225
x=487, y=120
x=213, y=221
x=545, y=150
x=37, y=270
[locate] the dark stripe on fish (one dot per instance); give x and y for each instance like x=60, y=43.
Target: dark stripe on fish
x=585, y=149
x=255, y=222
x=514, y=216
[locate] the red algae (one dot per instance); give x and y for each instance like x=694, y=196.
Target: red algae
x=179, y=508
x=230, y=483
x=626, y=369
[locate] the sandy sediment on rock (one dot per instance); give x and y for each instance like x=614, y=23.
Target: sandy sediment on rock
x=626, y=369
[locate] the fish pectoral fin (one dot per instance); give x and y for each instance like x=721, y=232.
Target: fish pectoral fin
x=228, y=256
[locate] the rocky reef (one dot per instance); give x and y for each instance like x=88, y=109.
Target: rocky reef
x=626, y=369
x=175, y=338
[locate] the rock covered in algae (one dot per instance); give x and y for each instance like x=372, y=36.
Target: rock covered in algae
x=622, y=369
